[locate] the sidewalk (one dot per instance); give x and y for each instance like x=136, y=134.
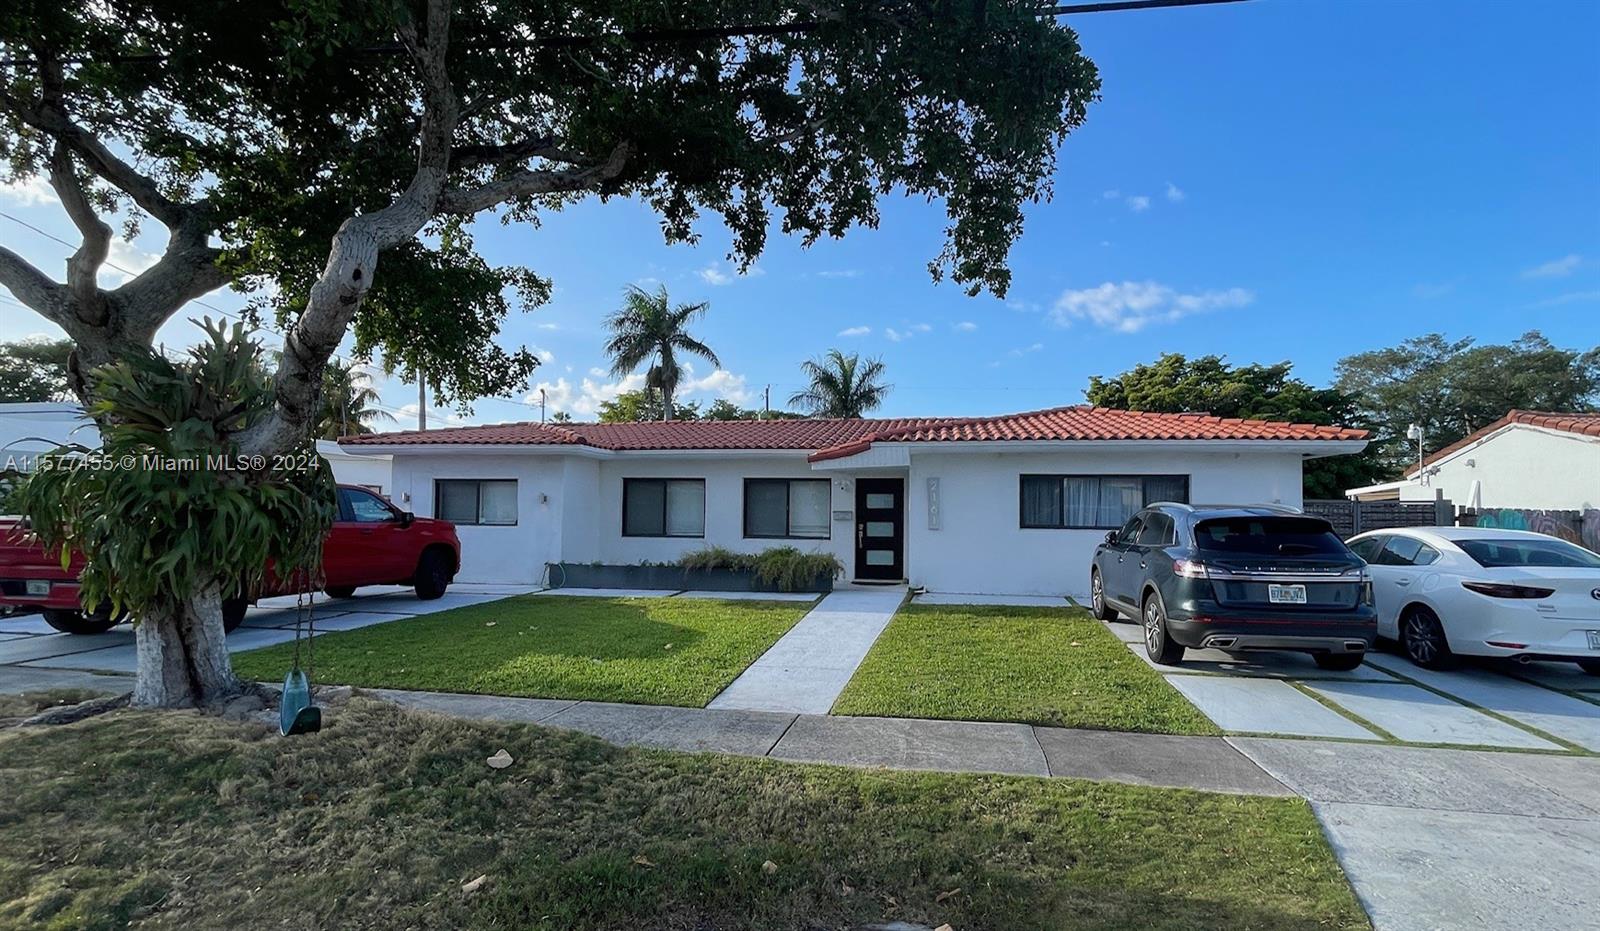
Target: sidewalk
x=1205, y=763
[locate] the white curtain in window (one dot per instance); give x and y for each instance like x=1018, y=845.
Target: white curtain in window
x=1120, y=499
x=1083, y=502
x=458, y=502
x=686, y=509
x=497, y=502
x=809, y=504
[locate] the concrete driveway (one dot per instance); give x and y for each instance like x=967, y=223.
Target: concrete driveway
x=28, y=643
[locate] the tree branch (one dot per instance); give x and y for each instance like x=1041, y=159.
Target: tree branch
x=353, y=258
x=466, y=156
x=84, y=266
x=468, y=201
x=33, y=287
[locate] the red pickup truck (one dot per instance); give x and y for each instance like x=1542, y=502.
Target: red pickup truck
x=372, y=543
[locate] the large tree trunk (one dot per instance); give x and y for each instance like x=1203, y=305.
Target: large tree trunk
x=183, y=655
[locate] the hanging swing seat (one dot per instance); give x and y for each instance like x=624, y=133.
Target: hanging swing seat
x=296, y=712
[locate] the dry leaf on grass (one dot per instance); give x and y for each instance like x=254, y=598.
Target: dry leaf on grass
x=500, y=760
x=769, y=867
x=948, y=894
x=944, y=927
x=642, y=860
x=845, y=889
x=474, y=885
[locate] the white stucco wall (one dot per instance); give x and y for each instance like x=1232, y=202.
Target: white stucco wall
x=348, y=469
x=511, y=554
x=724, y=480
x=1519, y=467
x=981, y=547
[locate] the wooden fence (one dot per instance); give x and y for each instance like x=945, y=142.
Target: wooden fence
x=1352, y=517
x=1580, y=527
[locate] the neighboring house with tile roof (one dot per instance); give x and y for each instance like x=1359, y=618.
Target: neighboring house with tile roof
x=1010, y=504
x=1526, y=459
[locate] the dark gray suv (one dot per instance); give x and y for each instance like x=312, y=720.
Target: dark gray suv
x=1236, y=578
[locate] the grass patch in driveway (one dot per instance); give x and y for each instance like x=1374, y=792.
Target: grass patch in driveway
x=1053, y=666
x=657, y=651
x=179, y=820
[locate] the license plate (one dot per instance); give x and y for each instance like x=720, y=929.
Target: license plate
x=38, y=586
x=1286, y=594
x=1594, y=639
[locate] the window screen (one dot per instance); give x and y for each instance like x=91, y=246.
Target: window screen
x=476, y=501
x=781, y=507
x=663, y=507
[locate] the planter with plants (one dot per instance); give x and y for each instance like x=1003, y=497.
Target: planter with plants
x=715, y=569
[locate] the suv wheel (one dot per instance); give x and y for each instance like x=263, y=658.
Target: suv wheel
x=1338, y=662
x=1423, y=639
x=1097, y=598
x=1158, y=642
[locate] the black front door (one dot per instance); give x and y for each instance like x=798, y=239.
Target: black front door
x=880, y=529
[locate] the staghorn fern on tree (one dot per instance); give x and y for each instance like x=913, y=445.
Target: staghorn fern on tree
x=156, y=510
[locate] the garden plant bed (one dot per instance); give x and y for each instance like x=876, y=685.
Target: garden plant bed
x=654, y=651
x=671, y=578
x=178, y=820
x=1050, y=666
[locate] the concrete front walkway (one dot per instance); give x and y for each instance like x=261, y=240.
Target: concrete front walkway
x=808, y=667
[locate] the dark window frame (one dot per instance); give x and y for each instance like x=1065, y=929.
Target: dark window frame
x=788, y=533
x=663, y=482
x=1143, y=478
x=477, y=498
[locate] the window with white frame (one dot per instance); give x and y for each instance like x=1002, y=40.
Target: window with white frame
x=777, y=508
x=663, y=507
x=487, y=501
x=1094, y=502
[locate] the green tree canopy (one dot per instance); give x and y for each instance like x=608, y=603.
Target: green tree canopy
x=1176, y=384
x=841, y=386
x=1452, y=388
x=287, y=147
x=34, y=370
x=644, y=404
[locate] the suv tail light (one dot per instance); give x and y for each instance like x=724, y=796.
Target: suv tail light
x=1503, y=590
x=1189, y=569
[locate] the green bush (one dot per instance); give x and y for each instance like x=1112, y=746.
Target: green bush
x=784, y=567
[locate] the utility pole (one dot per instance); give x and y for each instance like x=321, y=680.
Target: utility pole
x=541, y=405
x=422, y=401
x=766, y=403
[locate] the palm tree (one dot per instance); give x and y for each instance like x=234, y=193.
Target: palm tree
x=841, y=385
x=349, y=402
x=648, y=328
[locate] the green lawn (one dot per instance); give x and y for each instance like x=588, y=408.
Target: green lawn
x=1053, y=666
x=178, y=820
x=658, y=651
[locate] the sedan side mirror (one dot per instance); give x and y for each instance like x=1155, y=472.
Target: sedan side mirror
x=1111, y=536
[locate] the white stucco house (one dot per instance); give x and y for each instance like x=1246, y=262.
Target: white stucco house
x=1011, y=504
x=1526, y=459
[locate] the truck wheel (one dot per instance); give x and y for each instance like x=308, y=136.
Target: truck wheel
x=76, y=622
x=433, y=575
x=233, y=613
x=340, y=591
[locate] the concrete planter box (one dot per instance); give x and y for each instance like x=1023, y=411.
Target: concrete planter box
x=587, y=575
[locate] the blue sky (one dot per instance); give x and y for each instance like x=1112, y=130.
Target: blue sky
x=1278, y=179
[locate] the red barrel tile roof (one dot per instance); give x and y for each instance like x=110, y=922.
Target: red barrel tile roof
x=1584, y=424
x=831, y=439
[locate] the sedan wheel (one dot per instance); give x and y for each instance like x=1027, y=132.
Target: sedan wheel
x=1423, y=639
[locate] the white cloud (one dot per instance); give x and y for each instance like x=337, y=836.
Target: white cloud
x=583, y=399
x=1573, y=297
x=1559, y=268
x=1112, y=194
x=1026, y=350
x=548, y=326
x=1138, y=203
x=29, y=192
x=1175, y=193
x=895, y=335
x=545, y=356
x=856, y=331
x=125, y=255
x=841, y=273
x=719, y=384
x=1132, y=305
x=922, y=327
x=717, y=274
x=965, y=326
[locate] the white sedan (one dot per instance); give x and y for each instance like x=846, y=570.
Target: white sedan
x=1444, y=592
